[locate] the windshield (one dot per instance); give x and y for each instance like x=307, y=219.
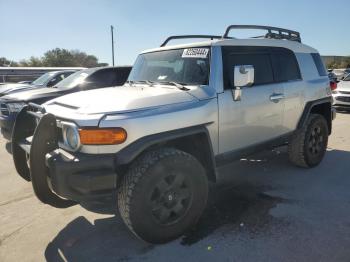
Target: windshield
x=184, y=66
x=347, y=78
x=74, y=79
x=43, y=79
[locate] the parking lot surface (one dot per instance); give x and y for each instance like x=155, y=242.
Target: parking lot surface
x=262, y=209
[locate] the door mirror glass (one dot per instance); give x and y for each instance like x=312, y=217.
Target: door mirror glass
x=243, y=75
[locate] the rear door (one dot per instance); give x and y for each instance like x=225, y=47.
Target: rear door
x=287, y=72
x=257, y=117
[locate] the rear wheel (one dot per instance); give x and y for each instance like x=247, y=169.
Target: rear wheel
x=308, y=145
x=163, y=194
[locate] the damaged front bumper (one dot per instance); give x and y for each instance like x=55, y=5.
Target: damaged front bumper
x=59, y=178
x=81, y=177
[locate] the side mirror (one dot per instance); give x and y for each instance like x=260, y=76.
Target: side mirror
x=52, y=82
x=243, y=76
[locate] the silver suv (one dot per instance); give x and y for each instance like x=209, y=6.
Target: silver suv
x=185, y=110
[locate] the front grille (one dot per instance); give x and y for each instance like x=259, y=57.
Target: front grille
x=343, y=98
x=4, y=110
x=345, y=92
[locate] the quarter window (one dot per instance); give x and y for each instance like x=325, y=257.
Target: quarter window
x=319, y=64
x=285, y=65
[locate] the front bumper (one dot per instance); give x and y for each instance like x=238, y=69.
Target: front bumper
x=341, y=101
x=59, y=178
x=81, y=177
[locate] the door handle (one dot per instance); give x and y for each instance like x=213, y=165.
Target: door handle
x=276, y=97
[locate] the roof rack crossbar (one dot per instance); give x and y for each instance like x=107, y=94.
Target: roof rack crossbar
x=272, y=32
x=188, y=37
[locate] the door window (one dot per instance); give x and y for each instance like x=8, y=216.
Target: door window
x=255, y=56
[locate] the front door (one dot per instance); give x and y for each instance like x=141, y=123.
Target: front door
x=258, y=116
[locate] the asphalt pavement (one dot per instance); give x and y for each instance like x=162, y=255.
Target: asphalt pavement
x=261, y=209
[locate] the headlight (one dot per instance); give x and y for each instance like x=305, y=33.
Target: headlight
x=15, y=107
x=71, y=137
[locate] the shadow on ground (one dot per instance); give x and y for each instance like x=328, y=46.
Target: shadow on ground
x=81, y=240
x=240, y=204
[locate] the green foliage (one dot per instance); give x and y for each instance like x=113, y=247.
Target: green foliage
x=6, y=62
x=57, y=57
x=343, y=63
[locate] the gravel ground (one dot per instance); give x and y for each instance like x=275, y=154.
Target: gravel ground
x=262, y=209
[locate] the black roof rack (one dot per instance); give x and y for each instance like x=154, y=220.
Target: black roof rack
x=189, y=36
x=272, y=33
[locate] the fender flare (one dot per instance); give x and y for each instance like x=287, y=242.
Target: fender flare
x=129, y=153
x=308, y=107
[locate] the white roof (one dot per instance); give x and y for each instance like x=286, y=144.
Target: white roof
x=292, y=45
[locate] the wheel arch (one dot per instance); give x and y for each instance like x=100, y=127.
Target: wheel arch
x=322, y=107
x=193, y=140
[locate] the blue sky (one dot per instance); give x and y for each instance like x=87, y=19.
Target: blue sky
x=32, y=27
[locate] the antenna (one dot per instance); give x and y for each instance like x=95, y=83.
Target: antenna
x=112, y=29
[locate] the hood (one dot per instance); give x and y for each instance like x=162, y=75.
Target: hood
x=4, y=89
x=32, y=93
x=343, y=86
x=121, y=99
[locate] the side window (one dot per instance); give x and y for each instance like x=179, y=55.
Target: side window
x=285, y=65
x=255, y=56
x=58, y=78
x=67, y=74
x=102, y=78
x=319, y=64
x=122, y=75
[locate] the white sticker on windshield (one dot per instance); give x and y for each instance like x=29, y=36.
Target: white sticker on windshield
x=162, y=77
x=195, y=53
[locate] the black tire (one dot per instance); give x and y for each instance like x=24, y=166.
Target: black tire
x=308, y=145
x=20, y=160
x=163, y=194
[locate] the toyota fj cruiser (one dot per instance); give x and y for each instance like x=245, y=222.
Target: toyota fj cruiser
x=184, y=111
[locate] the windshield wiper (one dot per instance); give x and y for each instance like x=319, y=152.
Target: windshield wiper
x=178, y=85
x=130, y=82
x=144, y=82
x=152, y=83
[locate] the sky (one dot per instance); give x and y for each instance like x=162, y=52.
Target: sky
x=31, y=27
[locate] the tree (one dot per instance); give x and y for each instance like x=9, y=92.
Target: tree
x=32, y=61
x=5, y=62
x=57, y=57
x=64, y=57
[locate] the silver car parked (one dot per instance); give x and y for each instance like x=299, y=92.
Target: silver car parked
x=341, y=95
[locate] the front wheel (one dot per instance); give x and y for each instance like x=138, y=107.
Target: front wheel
x=308, y=145
x=163, y=194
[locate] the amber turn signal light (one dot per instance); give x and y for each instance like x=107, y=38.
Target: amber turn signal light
x=108, y=136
